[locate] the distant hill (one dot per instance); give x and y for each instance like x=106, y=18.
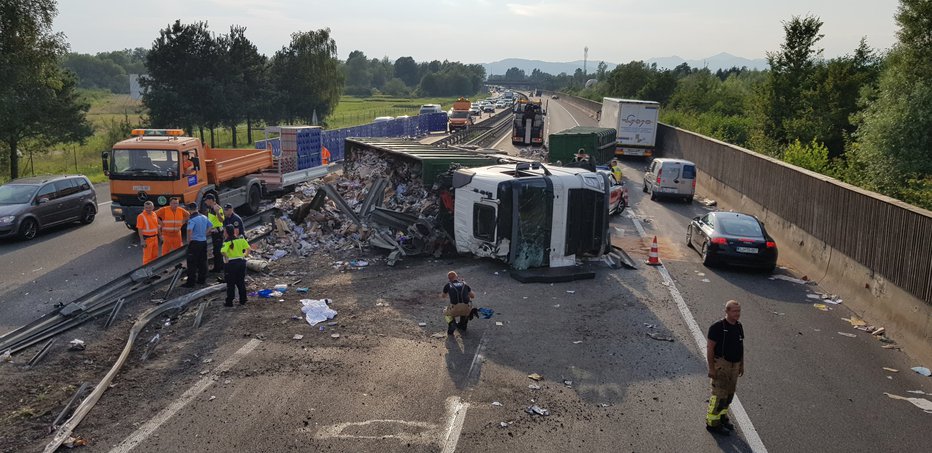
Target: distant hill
x=721, y=61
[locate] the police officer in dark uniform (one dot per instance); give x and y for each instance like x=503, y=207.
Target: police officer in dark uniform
x=232, y=218
x=215, y=216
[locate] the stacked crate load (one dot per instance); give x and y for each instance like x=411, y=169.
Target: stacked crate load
x=308, y=147
x=289, y=156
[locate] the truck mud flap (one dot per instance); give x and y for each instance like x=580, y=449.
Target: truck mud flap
x=552, y=274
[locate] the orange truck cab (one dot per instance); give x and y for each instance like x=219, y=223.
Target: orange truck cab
x=460, y=118
x=158, y=164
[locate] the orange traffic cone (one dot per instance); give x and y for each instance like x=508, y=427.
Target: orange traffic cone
x=653, y=259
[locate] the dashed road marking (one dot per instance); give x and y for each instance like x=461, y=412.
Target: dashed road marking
x=737, y=409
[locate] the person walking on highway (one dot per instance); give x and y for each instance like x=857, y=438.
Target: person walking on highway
x=461, y=296
x=147, y=224
x=171, y=218
x=215, y=216
x=725, y=357
x=235, y=250
x=231, y=218
x=198, y=226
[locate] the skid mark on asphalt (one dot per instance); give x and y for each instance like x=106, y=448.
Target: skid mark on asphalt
x=150, y=426
x=737, y=409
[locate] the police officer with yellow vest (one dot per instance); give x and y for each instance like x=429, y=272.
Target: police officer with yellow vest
x=215, y=216
x=616, y=171
x=235, y=250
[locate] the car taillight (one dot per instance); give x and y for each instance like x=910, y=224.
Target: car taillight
x=771, y=244
x=694, y=184
x=720, y=241
x=659, y=172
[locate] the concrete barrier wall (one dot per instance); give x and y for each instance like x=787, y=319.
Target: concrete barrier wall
x=875, y=250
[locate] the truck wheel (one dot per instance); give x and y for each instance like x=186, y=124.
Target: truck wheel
x=644, y=188
x=653, y=195
x=252, y=200
x=28, y=229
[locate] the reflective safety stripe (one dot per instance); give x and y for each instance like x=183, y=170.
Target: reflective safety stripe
x=172, y=221
x=150, y=223
x=216, y=221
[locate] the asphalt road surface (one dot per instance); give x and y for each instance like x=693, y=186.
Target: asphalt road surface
x=62, y=264
x=386, y=384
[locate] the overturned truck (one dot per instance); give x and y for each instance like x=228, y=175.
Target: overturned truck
x=487, y=204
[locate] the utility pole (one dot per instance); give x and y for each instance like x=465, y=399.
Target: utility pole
x=585, y=60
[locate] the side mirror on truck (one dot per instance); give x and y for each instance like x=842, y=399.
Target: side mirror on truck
x=105, y=161
x=197, y=163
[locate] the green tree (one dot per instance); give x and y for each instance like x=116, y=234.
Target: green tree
x=787, y=102
x=96, y=73
x=627, y=79
x=247, y=78
x=358, y=77
x=38, y=101
x=894, y=138
x=812, y=156
x=406, y=70
x=396, y=87
x=515, y=75
x=601, y=71
x=306, y=77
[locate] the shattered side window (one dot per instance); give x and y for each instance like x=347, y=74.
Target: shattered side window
x=483, y=222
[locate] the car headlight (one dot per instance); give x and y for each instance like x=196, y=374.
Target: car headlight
x=7, y=219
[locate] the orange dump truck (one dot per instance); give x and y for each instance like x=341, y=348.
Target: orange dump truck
x=460, y=118
x=158, y=164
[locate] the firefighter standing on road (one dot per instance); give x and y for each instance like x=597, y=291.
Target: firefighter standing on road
x=147, y=224
x=235, y=250
x=172, y=218
x=215, y=216
x=725, y=356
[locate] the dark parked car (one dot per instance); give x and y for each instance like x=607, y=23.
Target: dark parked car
x=28, y=205
x=732, y=238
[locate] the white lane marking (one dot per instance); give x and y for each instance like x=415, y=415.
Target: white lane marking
x=737, y=409
x=568, y=113
x=456, y=410
x=428, y=434
x=106, y=202
x=150, y=426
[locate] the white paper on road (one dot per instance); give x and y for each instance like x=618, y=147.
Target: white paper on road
x=789, y=279
x=921, y=403
x=316, y=311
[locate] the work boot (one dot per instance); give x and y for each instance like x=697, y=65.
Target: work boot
x=726, y=423
x=228, y=303
x=720, y=430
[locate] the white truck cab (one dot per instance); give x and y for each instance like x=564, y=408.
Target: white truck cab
x=530, y=215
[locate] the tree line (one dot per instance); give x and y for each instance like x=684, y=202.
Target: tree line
x=106, y=70
x=405, y=77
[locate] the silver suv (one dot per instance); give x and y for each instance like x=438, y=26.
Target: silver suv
x=28, y=205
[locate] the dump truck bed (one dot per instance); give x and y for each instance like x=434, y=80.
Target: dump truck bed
x=426, y=161
x=227, y=164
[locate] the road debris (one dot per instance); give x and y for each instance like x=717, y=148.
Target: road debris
x=822, y=307
x=533, y=387
x=850, y=335
x=918, y=392
x=567, y=382
x=802, y=281
x=439, y=335
x=499, y=323
x=317, y=310
x=892, y=370
x=76, y=345
x=503, y=424
x=75, y=442
x=922, y=370
x=212, y=397
x=854, y=321
x=335, y=335
x=778, y=314
x=496, y=403
x=297, y=336
x=422, y=324
x=659, y=337
x=7, y=357
x=537, y=410
x=577, y=342
x=921, y=403
x=535, y=376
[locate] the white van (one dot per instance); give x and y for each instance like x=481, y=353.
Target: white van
x=671, y=178
x=430, y=108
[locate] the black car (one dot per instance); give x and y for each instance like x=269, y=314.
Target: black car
x=732, y=238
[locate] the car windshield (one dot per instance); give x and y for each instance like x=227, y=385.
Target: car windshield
x=142, y=163
x=741, y=226
x=17, y=193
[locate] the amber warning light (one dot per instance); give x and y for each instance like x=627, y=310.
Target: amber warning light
x=157, y=132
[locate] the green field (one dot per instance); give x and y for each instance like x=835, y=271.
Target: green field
x=109, y=110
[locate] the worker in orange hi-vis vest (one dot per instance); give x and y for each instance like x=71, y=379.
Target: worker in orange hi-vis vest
x=172, y=219
x=324, y=155
x=147, y=223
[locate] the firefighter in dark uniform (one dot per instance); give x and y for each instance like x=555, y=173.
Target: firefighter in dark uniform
x=461, y=296
x=725, y=357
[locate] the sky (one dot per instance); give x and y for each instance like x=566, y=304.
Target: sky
x=483, y=31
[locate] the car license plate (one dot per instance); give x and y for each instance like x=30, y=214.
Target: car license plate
x=746, y=250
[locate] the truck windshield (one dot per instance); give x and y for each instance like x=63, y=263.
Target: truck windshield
x=460, y=114
x=142, y=164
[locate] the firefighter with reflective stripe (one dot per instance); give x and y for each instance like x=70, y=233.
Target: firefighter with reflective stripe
x=172, y=219
x=147, y=224
x=235, y=250
x=725, y=357
x=215, y=216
